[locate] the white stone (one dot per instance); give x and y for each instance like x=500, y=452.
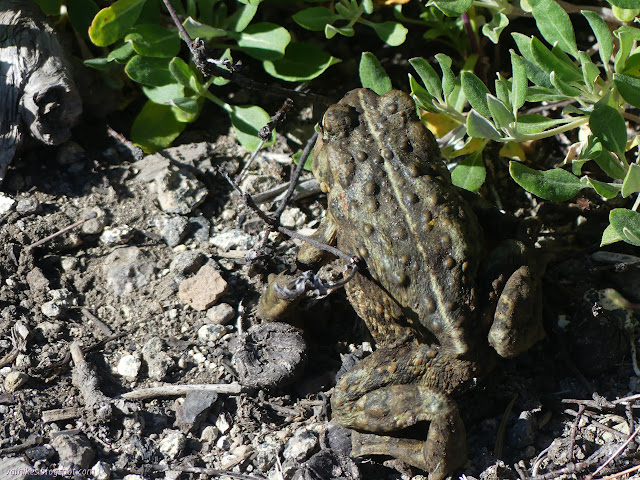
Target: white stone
x=211, y=333
x=101, y=471
x=172, y=444
x=300, y=446
x=6, y=203
x=129, y=366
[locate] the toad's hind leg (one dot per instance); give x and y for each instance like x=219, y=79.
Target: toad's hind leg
x=395, y=388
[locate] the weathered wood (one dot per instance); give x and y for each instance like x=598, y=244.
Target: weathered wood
x=37, y=93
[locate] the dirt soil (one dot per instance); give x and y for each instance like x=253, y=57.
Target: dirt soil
x=154, y=289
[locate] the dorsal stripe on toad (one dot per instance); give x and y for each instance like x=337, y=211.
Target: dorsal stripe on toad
x=450, y=324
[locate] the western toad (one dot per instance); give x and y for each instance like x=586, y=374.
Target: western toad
x=431, y=294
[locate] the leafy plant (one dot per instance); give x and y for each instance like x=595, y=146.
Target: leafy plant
x=348, y=13
x=176, y=90
x=595, y=100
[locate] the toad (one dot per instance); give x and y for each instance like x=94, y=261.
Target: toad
x=437, y=300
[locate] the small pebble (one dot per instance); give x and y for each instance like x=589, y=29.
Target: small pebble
x=14, y=380
x=221, y=314
x=209, y=434
x=300, y=446
x=27, y=205
x=202, y=290
x=172, y=229
x=172, y=444
x=211, y=333
x=293, y=217
x=188, y=262
x=6, y=203
x=101, y=471
x=223, y=422
x=179, y=191
x=118, y=235
x=129, y=367
x=74, y=451
x=70, y=152
x=232, y=240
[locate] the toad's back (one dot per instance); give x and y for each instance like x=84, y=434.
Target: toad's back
x=392, y=201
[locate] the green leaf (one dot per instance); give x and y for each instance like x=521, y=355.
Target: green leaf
x=494, y=28
x=564, y=87
x=448, y=79
x=629, y=88
x=81, y=13
x=301, y=62
x=428, y=75
x=502, y=116
x=330, y=31
x=391, y=33
x=602, y=33
x=242, y=17
x=556, y=185
x=538, y=93
x=189, y=106
x=609, y=236
x=607, y=124
x=155, y=127
x=149, y=71
x=247, y=120
x=628, y=4
x=545, y=59
x=609, y=165
x=112, y=23
x=626, y=224
x=264, y=41
x=470, y=173
x=632, y=65
x=373, y=75
x=423, y=99
x=196, y=29
x=480, y=127
x=165, y=94
x=590, y=73
x=627, y=37
x=625, y=14
x=503, y=89
x=453, y=8
x=315, y=18
x=154, y=41
x=631, y=183
x=591, y=149
x=476, y=92
x=520, y=83
x=533, y=123
x=121, y=54
x=184, y=75
x=554, y=25
x=606, y=190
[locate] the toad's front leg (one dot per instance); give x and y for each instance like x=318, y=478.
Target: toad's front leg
x=395, y=388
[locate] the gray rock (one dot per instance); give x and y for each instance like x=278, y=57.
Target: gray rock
x=159, y=362
x=172, y=444
x=179, y=191
x=200, y=229
x=74, y=451
x=221, y=314
x=41, y=452
x=172, y=229
x=300, y=446
x=28, y=205
x=186, y=263
x=211, y=333
x=232, y=240
x=127, y=269
x=266, y=453
x=524, y=431
x=36, y=280
x=190, y=414
x=15, y=468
